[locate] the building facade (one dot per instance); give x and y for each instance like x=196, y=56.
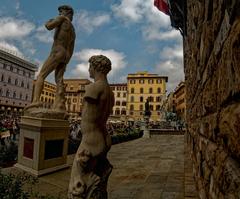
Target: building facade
x=74, y=91
x=180, y=100
x=142, y=86
x=120, y=96
x=16, y=82
x=48, y=94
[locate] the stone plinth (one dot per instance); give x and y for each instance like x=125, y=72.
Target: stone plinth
x=43, y=145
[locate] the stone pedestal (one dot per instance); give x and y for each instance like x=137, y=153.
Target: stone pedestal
x=146, y=132
x=43, y=145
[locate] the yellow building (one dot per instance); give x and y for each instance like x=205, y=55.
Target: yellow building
x=142, y=86
x=180, y=96
x=120, y=96
x=48, y=94
x=74, y=91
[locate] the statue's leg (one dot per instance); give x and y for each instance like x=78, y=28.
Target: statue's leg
x=82, y=177
x=48, y=66
x=59, y=103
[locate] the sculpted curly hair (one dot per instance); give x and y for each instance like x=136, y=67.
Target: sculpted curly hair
x=101, y=63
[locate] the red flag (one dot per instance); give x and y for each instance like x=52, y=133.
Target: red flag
x=162, y=5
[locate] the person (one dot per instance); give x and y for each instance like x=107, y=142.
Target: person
x=90, y=167
x=61, y=52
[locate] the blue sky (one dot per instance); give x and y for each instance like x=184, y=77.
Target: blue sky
x=132, y=33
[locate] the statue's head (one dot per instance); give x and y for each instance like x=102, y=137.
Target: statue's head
x=100, y=63
x=66, y=10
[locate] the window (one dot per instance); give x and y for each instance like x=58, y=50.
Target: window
x=9, y=80
x=141, y=107
x=74, y=100
x=113, y=88
x=20, y=96
x=74, y=107
x=158, y=99
x=132, y=90
x=22, y=84
x=7, y=93
x=118, y=94
x=150, y=81
x=16, y=82
x=150, y=99
x=1, y=92
x=123, y=112
x=141, y=81
x=2, y=78
x=27, y=85
x=124, y=95
x=131, y=107
x=124, y=103
x=26, y=98
x=117, y=112
x=117, y=103
x=159, y=81
x=158, y=107
x=141, y=98
x=14, y=94
x=141, y=90
x=159, y=90
x=132, y=99
x=151, y=107
x=11, y=68
x=150, y=90
x=42, y=98
x=4, y=66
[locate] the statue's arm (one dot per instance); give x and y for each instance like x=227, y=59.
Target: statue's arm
x=92, y=93
x=53, y=23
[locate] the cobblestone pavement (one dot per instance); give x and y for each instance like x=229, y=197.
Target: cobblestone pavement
x=145, y=168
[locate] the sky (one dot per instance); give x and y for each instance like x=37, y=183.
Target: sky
x=134, y=34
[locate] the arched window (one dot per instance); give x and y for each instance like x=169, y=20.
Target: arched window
x=1, y=92
x=11, y=68
x=159, y=90
x=22, y=84
x=2, y=78
x=132, y=90
x=150, y=90
x=14, y=94
x=141, y=98
x=20, y=96
x=141, y=90
x=117, y=112
x=141, y=107
x=9, y=80
x=27, y=85
x=117, y=103
x=131, y=107
x=26, y=98
x=132, y=99
x=16, y=82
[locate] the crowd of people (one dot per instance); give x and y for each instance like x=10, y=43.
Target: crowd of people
x=9, y=127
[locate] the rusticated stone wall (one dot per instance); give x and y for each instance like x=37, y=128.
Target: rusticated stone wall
x=212, y=72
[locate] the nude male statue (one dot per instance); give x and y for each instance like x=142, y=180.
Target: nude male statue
x=61, y=52
x=91, y=169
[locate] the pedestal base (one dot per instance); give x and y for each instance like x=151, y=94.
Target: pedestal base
x=43, y=145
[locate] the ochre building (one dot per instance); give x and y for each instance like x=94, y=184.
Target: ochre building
x=140, y=87
x=48, y=94
x=120, y=105
x=75, y=89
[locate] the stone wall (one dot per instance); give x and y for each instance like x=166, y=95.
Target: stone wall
x=212, y=72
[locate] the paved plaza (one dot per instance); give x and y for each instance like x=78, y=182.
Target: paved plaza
x=145, y=168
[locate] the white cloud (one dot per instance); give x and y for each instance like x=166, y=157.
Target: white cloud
x=171, y=65
x=117, y=59
x=87, y=21
x=43, y=35
x=10, y=48
x=155, y=25
x=12, y=28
